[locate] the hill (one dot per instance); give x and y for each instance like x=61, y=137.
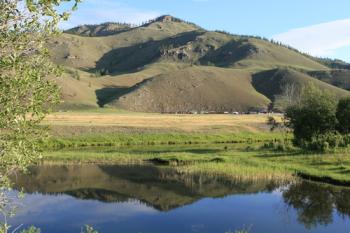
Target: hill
x=194, y=89
x=105, y=29
x=169, y=65
x=273, y=84
x=338, y=77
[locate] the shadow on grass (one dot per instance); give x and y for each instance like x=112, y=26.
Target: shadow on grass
x=276, y=154
x=336, y=169
x=344, y=172
x=321, y=163
x=137, y=56
x=163, y=151
x=109, y=94
x=106, y=94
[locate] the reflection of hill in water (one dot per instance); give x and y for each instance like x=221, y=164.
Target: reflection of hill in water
x=165, y=189
x=161, y=188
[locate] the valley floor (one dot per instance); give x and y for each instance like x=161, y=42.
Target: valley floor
x=219, y=145
x=111, y=120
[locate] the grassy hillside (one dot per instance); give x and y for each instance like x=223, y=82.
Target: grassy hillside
x=206, y=48
x=257, y=54
x=81, y=89
x=194, y=89
x=272, y=83
x=169, y=65
x=84, y=52
x=105, y=29
x=339, y=77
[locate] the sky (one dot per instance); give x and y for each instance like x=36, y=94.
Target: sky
x=318, y=27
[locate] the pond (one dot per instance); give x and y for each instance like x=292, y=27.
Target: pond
x=154, y=199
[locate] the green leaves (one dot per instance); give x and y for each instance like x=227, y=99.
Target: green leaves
x=343, y=115
x=26, y=94
x=30, y=5
x=317, y=122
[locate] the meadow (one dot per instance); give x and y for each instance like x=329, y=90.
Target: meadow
x=108, y=128
x=185, y=122
x=239, y=147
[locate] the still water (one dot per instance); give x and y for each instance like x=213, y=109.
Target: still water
x=151, y=199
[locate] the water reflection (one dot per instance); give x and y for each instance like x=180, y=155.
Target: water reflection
x=315, y=203
x=122, y=196
x=160, y=187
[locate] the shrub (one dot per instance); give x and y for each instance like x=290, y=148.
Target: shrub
x=315, y=115
x=324, y=142
x=273, y=123
x=346, y=139
x=284, y=145
x=318, y=122
x=76, y=75
x=343, y=116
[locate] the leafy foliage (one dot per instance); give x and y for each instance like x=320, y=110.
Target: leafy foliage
x=25, y=92
x=343, y=116
x=318, y=122
x=324, y=142
x=315, y=115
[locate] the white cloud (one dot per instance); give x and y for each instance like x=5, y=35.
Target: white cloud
x=100, y=11
x=319, y=40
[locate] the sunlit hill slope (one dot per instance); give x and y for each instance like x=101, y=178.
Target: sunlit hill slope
x=169, y=65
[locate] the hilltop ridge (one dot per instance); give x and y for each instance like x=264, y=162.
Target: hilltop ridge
x=112, y=28
x=105, y=29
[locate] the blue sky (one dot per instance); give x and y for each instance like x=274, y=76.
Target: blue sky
x=319, y=27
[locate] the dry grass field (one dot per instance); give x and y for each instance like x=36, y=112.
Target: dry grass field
x=110, y=121
x=182, y=122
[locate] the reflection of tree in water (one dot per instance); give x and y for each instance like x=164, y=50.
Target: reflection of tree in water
x=315, y=204
x=342, y=202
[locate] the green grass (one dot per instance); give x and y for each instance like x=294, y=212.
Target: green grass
x=237, y=161
x=156, y=138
